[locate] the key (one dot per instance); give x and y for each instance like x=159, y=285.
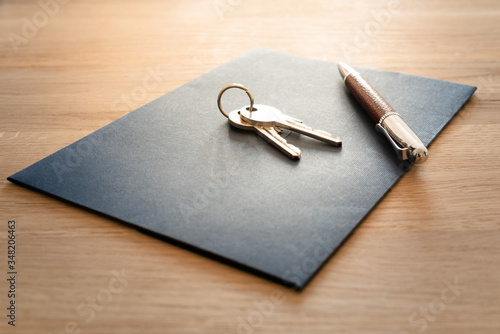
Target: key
x=267, y=116
x=270, y=134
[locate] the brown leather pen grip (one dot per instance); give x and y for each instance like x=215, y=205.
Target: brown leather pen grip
x=371, y=101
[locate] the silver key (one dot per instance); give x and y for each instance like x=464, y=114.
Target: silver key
x=267, y=116
x=269, y=133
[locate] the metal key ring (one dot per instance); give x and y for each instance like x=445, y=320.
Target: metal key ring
x=229, y=87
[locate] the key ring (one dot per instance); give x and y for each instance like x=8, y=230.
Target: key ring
x=229, y=87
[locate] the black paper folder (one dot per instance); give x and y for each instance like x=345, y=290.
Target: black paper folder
x=177, y=169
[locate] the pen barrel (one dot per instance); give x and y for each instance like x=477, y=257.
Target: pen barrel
x=371, y=101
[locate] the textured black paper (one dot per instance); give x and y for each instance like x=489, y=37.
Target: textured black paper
x=177, y=169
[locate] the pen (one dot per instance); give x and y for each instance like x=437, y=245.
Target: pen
x=405, y=142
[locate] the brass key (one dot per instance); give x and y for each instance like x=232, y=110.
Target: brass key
x=262, y=115
x=270, y=134
x=265, y=120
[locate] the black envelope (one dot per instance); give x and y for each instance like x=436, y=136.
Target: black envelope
x=175, y=167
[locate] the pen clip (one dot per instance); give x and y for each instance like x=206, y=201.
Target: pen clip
x=402, y=152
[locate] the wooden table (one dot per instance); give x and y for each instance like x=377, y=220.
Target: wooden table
x=68, y=68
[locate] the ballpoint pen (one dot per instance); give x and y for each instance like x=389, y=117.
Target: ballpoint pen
x=405, y=142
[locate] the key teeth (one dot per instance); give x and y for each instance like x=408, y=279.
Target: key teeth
x=299, y=124
x=284, y=141
x=293, y=151
x=276, y=133
x=303, y=126
x=324, y=133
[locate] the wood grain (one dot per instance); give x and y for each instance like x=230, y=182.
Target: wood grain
x=84, y=68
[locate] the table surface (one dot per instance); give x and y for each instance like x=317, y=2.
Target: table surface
x=69, y=67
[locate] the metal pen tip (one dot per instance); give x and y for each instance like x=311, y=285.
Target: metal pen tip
x=419, y=155
x=344, y=69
